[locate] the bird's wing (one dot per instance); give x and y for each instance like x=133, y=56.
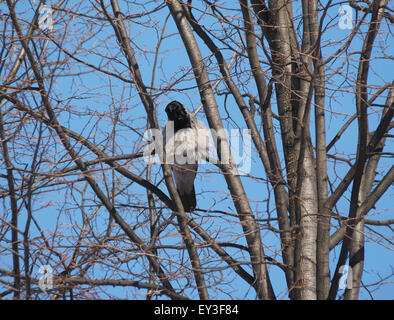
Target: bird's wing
x=202, y=140
x=184, y=175
x=186, y=165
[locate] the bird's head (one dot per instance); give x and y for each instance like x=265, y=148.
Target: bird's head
x=178, y=113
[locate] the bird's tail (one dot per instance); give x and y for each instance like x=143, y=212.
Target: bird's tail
x=188, y=200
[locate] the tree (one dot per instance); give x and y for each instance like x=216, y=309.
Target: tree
x=75, y=112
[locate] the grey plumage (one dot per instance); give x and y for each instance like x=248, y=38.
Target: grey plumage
x=186, y=140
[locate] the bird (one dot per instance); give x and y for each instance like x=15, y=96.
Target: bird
x=186, y=141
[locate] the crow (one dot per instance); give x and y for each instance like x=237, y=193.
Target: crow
x=186, y=141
